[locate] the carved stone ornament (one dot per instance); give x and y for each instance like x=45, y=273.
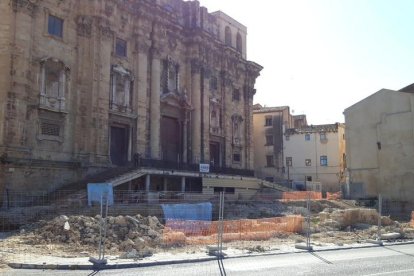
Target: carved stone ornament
x=109, y=8
x=84, y=25
x=142, y=46
x=107, y=32
x=25, y=5
x=172, y=42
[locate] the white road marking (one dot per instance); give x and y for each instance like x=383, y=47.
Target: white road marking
x=390, y=272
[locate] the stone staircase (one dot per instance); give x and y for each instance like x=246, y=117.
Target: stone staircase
x=275, y=186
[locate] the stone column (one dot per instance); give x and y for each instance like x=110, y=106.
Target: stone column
x=165, y=182
x=155, y=108
x=196, y=113
x=183, y=184
x=206, y=117
x=184, y=153
x=147, y=183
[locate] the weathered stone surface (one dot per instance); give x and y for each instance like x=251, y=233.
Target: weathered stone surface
x=57, y=131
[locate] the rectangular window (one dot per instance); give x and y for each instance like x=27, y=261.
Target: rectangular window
x=324, y=160
x=308, y=162
x=268, y=121
x=309, y=178
x=269, y=161
x=236, y=157
x=269, y=140
x=236, y=95
x=121, y=47
x=55, y=26
x=322, y=136
x=227, y=190
x=307, y=137
x=289, y=161
x=49, y=129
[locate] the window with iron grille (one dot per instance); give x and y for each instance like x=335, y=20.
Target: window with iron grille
x=236, y=157
x=49, y=129
x=308, y=162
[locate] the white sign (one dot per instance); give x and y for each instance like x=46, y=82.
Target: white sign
x=204, y=168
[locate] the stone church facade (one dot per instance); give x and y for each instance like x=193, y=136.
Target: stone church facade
x=88, y=85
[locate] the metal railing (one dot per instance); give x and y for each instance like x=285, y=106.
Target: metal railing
x=172, y=165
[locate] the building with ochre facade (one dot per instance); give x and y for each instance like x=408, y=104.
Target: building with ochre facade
x=89, y=85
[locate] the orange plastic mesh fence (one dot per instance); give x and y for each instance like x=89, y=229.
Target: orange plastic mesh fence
x=301, y=195
x=202, y=232
x=333, y=196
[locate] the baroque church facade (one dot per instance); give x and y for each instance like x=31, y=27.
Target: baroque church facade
x=87, y=85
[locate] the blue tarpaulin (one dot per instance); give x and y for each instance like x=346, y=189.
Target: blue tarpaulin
x=98, y=191
x=185, y=211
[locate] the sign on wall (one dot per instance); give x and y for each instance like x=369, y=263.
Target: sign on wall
x=204, y=168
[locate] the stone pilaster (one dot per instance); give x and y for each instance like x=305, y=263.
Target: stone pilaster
x=155, y=107
x=206, y=116
x=196, y=112
x=142, y=98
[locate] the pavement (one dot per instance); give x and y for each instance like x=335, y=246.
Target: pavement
x=165, y=258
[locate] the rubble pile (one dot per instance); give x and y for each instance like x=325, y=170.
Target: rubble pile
x=335, y=219
x=124, y=233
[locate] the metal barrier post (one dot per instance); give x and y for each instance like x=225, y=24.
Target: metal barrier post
x=102, y=232
x=379, y=217
x=308, y=220
x=307, y=246
x=221, y=227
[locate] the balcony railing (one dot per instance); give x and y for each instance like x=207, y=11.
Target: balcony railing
x=171, y=165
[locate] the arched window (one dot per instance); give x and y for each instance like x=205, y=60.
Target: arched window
x=227, y=36
x=239, y=44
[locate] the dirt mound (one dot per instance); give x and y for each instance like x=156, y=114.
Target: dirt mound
x=124, y=233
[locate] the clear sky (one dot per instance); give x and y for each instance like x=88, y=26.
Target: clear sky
x=322, y=56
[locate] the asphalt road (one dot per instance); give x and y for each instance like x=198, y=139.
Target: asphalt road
x=387, y=260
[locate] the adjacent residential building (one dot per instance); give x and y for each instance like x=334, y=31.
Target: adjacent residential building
x=268, y=126
x=88, y=85
x=380, y=145
x=315, y=153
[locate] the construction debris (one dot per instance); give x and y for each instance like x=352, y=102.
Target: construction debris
x=135, y=235
x=336, y=219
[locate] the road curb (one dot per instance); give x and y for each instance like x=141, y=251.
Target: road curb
x=182, y=261
x=107, y=266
